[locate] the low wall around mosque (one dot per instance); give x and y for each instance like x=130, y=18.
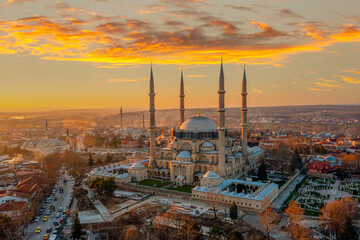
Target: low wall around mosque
x=157, y=191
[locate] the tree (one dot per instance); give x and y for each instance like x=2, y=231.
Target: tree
x=236, y=235
x=133, y=233
x=351, y=162
x=295, y=160
x=104, y=188
x=51, y=164
x=212, y=201
x=80, y=193
x=99, y=160
x=266, y=218
x=335, y=213
x=220, y=232
x=90, y=160
x=347, y=230
x=233, y=211
x=8, y=228
x=262, y=174
x=108, y=158
x=189, y=230
x=76, y=227
x=295, y=213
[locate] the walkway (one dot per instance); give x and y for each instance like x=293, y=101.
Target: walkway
x=279, y=201
x=104, y=212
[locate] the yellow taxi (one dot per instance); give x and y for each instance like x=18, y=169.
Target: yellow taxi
x=38, y=229
x=45, y=218
x=46, y=237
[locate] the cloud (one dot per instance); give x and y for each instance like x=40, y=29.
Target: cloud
x=79, y=35
x=115, y=80
x=9, y=2
x=242, y=8
x=348, y=79
x=320, y=89
x=327, y=80
x=257, y=91
x=352, y=71
x=328, y=85
x=288, y=13
x=196, y=76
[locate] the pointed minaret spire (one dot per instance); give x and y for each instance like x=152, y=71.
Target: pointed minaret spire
x=121, y=118
x=244, y=120
x=182, y=99
x=221, y=124
x=221, y=69
x=152, y=162
x=143, y=122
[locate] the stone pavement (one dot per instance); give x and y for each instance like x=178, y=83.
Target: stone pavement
x=279, y=201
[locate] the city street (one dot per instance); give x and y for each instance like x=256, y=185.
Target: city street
x=63, y=199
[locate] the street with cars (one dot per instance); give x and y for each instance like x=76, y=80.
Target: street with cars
x=52, y=213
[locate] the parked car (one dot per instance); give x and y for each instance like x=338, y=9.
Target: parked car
x=37, y=219
x=56, y=223
x=48, y=212
x=58, y=215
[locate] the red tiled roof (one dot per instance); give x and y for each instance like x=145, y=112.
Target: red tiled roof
x=12, y=206
x=15, y=194
x=318, y=165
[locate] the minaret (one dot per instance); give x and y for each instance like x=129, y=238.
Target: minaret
x=143, y=121
x=46, y=130
x=152, y=162
x=121, y=119
x=221, y=124
x=182, y=98
x=244, y=119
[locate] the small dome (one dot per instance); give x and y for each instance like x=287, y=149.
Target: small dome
x=184, y=154
x=330, y=158
x=207, y=144
x=137, y=165
x=211, y=174
x=199, y=123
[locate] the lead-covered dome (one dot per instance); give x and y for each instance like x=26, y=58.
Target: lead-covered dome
x=200, y=124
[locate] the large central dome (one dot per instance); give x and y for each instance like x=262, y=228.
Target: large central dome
x=200, y=124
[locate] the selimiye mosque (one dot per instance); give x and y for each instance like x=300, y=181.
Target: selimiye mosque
x=199, y=145
x=201, y=153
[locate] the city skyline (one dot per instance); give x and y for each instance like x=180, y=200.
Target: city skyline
x=97, y=54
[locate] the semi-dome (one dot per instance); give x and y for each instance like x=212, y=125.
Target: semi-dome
x=137, y=165
x=211, y=174
x=184, y=154
x=200, y=124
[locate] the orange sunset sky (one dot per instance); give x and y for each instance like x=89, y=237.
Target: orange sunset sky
x=97, y=53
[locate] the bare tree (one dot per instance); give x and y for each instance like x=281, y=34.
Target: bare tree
x=267, y=217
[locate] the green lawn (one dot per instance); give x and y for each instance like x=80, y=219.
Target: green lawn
x=153, y=183
x=185, y=188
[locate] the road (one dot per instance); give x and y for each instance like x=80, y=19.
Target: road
x=63, y=199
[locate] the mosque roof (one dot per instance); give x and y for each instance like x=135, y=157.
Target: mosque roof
x=207, y=144
x=200, y=124
x=184, y=154
x=211, y=174
x=137, y=165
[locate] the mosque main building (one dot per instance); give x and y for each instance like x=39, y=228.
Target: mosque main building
x=200, y=153
x=198, y=145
